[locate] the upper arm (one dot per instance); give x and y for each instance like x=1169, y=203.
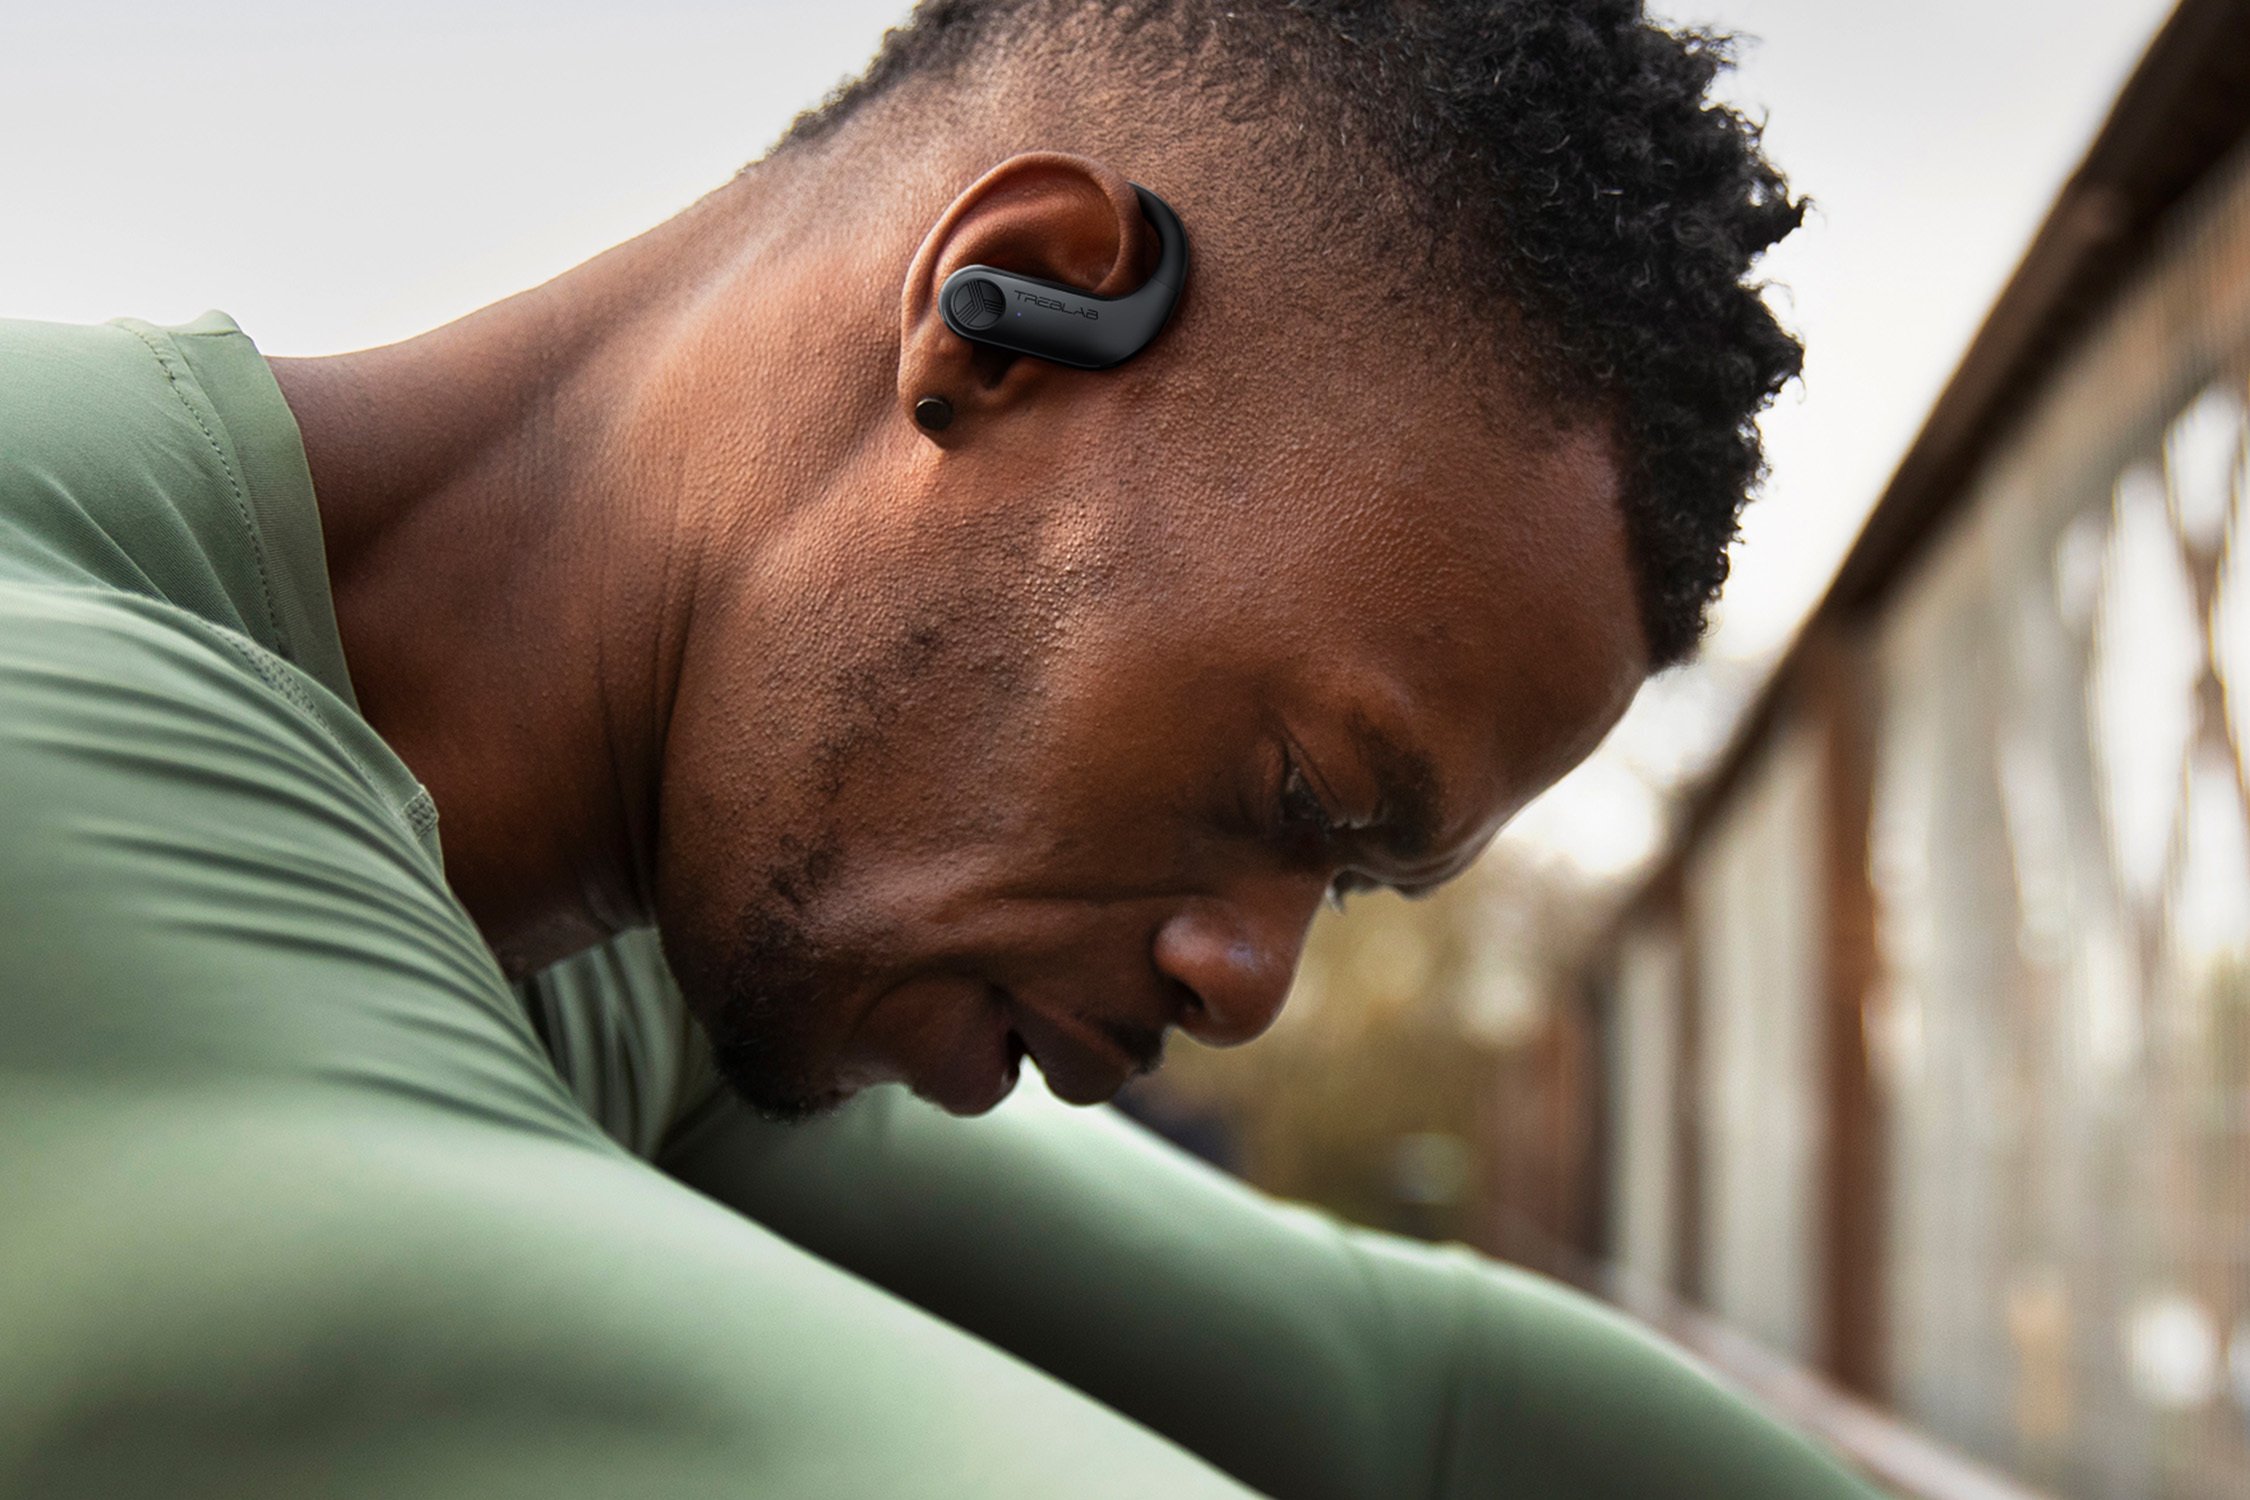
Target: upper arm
x=1238, y=1329
x=292, y=1202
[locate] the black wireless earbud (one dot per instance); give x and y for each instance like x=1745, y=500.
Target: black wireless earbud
x=1025, y=315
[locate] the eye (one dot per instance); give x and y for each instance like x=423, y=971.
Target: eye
x=1302, y=812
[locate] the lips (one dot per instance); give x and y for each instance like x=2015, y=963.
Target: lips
x=1080, y=1065
x=960, y=1043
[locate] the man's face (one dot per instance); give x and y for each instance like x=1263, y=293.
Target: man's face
x=1074, y=721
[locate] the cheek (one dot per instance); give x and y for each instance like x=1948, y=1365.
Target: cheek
x=941, y=777
x=1145, y=758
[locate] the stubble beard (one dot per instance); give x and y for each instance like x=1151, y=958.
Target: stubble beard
x=762, y=1034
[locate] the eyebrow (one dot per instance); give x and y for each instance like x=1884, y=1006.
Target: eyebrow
x=1406, y=788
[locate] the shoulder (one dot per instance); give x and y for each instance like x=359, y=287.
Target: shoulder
x=200, y=884
x=191, y=865
x=97, y=655
x=116, y=469
x=90, y=646
x=73, y=391
x=142, y=709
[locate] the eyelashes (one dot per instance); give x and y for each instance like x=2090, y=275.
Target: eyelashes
x=1302, y=811
x=1306, y=830
x=1304, y=817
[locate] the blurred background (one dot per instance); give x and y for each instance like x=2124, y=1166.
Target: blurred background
x=1873, y=1010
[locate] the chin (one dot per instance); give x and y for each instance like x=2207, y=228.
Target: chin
x=796, y=1109
x=775, y=1093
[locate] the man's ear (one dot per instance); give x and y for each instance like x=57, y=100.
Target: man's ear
x=1048, y=214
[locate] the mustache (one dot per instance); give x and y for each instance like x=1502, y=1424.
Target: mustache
x=1143, y=1046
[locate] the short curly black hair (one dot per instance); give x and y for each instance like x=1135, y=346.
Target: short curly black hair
x=1569, y=155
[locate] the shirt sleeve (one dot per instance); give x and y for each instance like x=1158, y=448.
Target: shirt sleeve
x=1303, y=1357
x=292, y=1204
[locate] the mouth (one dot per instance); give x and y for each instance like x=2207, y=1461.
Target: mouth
x=1083, y=1063
x=1084, y=1060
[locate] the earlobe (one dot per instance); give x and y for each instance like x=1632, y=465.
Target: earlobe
x=1045, y=216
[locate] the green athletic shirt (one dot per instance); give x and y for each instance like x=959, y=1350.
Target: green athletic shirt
x=298, y=1196
x=165, y=498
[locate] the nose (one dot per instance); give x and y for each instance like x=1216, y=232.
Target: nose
x=1235, y=959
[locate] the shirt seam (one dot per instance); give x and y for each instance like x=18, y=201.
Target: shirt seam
x=417, y=813
x=234, y=486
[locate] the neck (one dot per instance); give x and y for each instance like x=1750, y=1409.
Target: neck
x=503, y=501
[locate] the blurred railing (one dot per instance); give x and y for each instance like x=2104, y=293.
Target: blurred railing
x=1927, y=1058
x=1903, y=1459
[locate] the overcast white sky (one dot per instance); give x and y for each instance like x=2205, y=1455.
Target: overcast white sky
x=336, y=176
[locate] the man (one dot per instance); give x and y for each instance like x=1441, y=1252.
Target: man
x=926, y=746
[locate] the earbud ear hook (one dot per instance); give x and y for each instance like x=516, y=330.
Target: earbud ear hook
x=1046, y=320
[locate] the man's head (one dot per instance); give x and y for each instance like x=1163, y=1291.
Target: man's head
x=1051, y=731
